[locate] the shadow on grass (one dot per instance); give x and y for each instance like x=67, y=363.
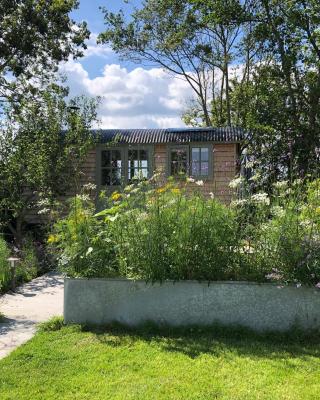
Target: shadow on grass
x=193, y=341
x=215, y=340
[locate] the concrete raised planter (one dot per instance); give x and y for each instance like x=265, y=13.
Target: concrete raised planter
x=257, y=306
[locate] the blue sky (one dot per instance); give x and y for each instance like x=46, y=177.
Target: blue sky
x=133, y=96
x=89, y=11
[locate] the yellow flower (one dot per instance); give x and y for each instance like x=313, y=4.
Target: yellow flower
x=53, y=239
x=115, y=196
x=161, y=189
x=176, y=191
x=318, y=210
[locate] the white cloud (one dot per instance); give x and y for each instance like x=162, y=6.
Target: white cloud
x=93, y=49
x=131, y=99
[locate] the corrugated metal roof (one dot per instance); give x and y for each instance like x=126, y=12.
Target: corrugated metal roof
x=181, y=135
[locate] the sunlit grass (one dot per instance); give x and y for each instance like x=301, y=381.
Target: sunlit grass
x=73, y=363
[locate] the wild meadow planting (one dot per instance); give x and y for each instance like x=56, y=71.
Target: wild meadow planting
x=161, y=231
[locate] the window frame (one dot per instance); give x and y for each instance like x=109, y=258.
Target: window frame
x=124, y=150
x=173, y=147
x=209, y=146
x=100, y=167
x=150, y=152
x=189, y=147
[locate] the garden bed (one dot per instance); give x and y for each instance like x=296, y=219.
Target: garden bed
x=261, y=307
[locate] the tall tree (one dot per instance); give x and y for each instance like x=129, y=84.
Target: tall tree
x=41, y=152
x=281, y=101
x=35, y=36
x=276, y=92
x=192, y=39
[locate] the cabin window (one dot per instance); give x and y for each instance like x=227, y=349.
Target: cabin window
x=194, y=160
x=200, y=161
x=179, y=161
x=111, y=167
x=123, y=164
x=138, y=164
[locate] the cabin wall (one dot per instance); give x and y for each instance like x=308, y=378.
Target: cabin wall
x=225, y=157
x=225, y=161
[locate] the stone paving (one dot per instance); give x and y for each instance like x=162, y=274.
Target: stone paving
x=34, y=302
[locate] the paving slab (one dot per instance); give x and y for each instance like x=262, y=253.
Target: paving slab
x=32, y=303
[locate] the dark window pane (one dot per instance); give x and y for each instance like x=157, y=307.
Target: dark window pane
x=178, y=168
x=111, y=177
x=116, y=155
x=195, y=154
x=133, y=155
x=179, y=155
x=204, y=168
x=105, y=158
x=106, y=178
x=143, y=155
x=204, y=154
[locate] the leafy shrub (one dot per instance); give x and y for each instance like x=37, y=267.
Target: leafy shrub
x=84, y=242
x=27, y=268
x=283, y=238
x=156, y=233
x=176, y=237
x=5, y=276
x=148, y=232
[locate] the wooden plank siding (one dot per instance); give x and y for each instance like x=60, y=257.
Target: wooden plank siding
x=225, y=157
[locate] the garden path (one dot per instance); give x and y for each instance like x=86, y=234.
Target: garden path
x=31, y=303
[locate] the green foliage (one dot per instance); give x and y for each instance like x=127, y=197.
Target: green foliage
x=148, y=233
x=85, y=243
x=176, y=237
x=151, y=233
x=28, y=268
x=195, y=40
x=54, y=324
x=5, y=276
x=253, y=64
x=36, y=36
x=156, y=233
x=42, y=147
x=281, y=234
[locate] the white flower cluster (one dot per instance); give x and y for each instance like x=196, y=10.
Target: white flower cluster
x=44, y=211
x=239, y=202
x=260, y=198
x=297, y=182
x=89, y=187
x=277, y=211
x=83, y=197
x=235, y=183
x=45, y=202
x=190, y=180
x=255, y=178
x=306, y=223
x=281, y=185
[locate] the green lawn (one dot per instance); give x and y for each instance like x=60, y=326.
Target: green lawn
x=72, y=363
